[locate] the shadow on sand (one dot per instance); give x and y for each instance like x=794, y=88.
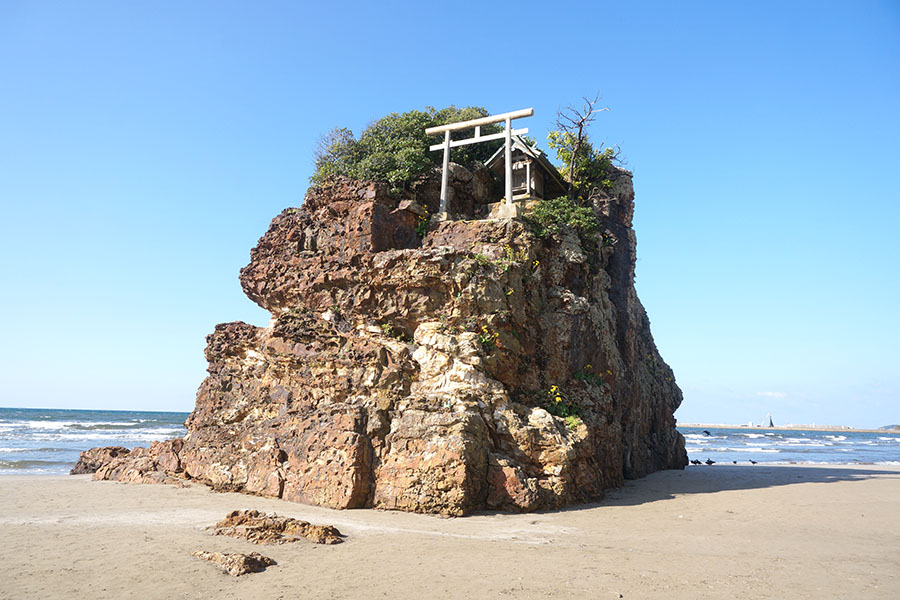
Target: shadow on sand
x=665, y=485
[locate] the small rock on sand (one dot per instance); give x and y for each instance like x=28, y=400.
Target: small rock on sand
x=237, y=564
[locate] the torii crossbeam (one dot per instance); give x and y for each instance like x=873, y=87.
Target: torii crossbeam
x=509, y=208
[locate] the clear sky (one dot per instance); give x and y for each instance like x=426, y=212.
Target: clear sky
x=145, y=146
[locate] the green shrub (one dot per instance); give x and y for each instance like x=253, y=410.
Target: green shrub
x=588, y=377
x=560, y=405
x=592, y=168
x=390, y=331
x=548, y=215
x=395, y=148
x=488, y=339
x=482, y=260
x=335, y=150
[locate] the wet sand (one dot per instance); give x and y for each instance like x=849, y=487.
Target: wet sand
x=706, y=532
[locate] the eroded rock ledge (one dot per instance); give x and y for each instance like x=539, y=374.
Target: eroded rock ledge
x=413, y=374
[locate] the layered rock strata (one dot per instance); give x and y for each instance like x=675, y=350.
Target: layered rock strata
x=421, y=374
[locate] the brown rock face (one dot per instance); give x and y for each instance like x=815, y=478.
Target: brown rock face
x=261, y=528
x=157, y=464
x=418, y=374
x=93, y=459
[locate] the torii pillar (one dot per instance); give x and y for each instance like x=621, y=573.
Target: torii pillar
x=509, y=209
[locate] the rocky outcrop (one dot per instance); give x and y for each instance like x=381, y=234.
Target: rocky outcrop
x=261, y=528
x=157, y=464
x=482, y=367
x=93, y=459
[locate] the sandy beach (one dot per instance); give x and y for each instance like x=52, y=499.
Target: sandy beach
x=706, y=532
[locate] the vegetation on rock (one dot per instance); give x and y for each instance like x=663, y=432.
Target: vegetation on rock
x=548, y=215
x=395, y=148
x=586, y=169
x=591, y=168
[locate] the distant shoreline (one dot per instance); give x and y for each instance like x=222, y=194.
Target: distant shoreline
x=834, y=428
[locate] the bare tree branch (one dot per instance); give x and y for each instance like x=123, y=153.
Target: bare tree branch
x=573, y=122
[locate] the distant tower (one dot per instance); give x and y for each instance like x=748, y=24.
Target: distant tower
x=769, y=417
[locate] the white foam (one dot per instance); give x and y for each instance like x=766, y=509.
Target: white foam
x=134, y=436
x=801, y=444
x=46, y=424
x=737, y=449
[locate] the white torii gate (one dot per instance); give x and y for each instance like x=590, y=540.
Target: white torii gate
x=508, y=209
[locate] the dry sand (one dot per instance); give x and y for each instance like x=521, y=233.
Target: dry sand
x=706, y=532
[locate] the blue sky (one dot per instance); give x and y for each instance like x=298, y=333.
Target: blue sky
x=144, y=148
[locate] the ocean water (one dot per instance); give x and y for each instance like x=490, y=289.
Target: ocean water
x=48, y=441
x=796, y=446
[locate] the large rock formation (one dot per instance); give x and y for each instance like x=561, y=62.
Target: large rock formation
x=420, y=374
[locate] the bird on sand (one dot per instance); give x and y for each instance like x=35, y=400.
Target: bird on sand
x=710, y=462
x=696, y=462
x=752, y=462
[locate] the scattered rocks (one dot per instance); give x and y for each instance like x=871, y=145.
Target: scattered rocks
x=237, y=564
x=261, y=528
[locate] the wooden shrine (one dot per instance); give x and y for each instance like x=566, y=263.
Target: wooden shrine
x=533, y=175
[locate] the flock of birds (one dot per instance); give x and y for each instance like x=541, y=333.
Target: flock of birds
x=712, y=462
